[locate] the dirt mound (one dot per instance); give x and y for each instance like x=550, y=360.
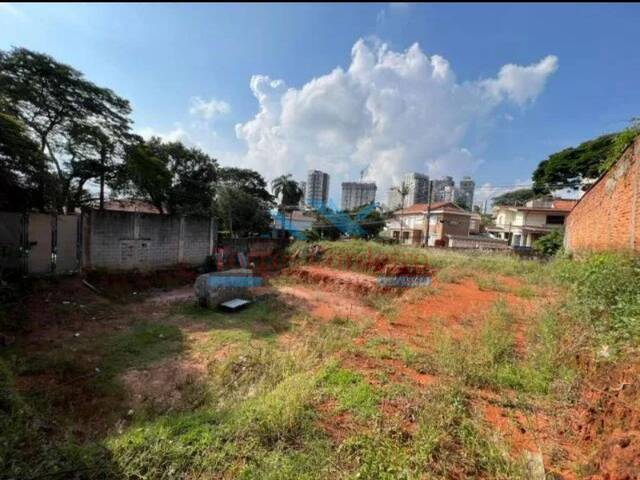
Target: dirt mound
x=344, y=280
x=395, y=269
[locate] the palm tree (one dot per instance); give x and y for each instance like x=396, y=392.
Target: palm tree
x=403, y=190
x=289, y=192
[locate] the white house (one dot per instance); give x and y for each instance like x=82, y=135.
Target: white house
x=521, y=226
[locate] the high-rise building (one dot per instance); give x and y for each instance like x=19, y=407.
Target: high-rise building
x=317, y=189
x=394, y=199
x=442, y=190
x=303, y=186
x=465, y=192
x=357, y=194
x=418, y=187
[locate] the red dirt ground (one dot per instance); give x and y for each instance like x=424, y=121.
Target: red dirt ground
x=458, y=307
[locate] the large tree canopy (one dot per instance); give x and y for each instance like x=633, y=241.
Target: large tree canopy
x=576, y=167
x=59, y=132
x=516, y=197
x=174, y=177
x=22, y=174
x=570, y=167
x=246, y=180
x=63, y=112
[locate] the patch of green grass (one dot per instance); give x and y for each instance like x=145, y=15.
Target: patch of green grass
x=604, y=295
x=141, y=345
x=351, y=391
x=450, y=443
x=382, y=302
x=253, y=436
x=27, y=448
x=526, y=291
x=265, y=318
x=488, y=359
x=489, y=284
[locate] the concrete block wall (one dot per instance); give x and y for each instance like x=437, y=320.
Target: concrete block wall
x=608, y=215
x=128, y=240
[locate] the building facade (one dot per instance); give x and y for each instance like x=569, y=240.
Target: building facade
x=317, y=189
x=357, y=194
x=442, y=190
x=466, y=189
x=521, y=226
x=409, y=226
x=418, y=186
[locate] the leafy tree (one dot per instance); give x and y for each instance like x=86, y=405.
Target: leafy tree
x=145, y=175
x=60, y=109
x=193, y=177
x=241, y=213
x=572, y=166
x=289, y=192
x=21, y=169
x=516, y=197
x=549, y=244
x=243, y=202
x=174, y=177
x=246, y=180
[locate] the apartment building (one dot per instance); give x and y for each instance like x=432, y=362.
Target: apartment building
x=357, y=194
x=317, y=189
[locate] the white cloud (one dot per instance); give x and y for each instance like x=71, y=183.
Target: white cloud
x=174, y=135
x=394, y=111
x=208, y=109
x=523, y=84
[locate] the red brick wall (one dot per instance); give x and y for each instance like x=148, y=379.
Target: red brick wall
x=608, y=215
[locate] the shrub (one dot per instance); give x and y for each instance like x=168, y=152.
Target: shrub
x=549, y=244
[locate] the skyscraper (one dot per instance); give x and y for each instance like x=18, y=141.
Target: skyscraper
x=465, y=192
x=317, y=191
x=357, y=194
x=440, y=192
x=418, y=186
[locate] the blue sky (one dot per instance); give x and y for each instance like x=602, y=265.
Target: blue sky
x=188, y=69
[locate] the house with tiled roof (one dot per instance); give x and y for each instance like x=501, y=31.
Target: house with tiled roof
x=521, y=226
x=409, y=226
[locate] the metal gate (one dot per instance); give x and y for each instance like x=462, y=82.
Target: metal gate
x=66, y=241
x=39, y=243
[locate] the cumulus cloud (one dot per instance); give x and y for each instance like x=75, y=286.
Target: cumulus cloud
x=394, y=112
x=208, y=109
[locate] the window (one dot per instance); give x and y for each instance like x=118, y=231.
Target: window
x=555, y=219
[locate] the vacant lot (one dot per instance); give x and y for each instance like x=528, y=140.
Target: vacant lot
x=503, y=368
